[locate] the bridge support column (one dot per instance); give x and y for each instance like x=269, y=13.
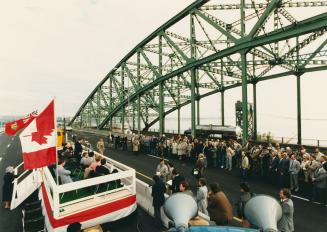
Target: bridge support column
x=138, y=115
x=245, y=130
x=222, y=102
x=179, y=121
x=110, y=99
x=179, y=108
x=299, y=126
x=123, y=89
x=193, y=119
x=161, y=110
x=193, y=76
x=244, y=98
x=161, y=93
x=138, y=97
x=133, y=117
x=255, y=132
x=198, y=112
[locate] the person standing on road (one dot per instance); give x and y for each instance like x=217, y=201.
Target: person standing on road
x=202, y=196
x=100, y=146
x=158, y=191
x=245, y=166
x=177, y=179
x=294, y=170
x=162, y=170
x=8, y=186
x=319, y=180
x=199, y=167
x=286, y=224
x=244, y=197
x=136, y=145
x=229, y=157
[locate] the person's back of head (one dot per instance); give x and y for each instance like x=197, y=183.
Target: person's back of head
x=97, y=158
x=103, y=161
x=61, y=162
x=203, y=181
x=156, y=178
x=184, y=185
x=74, y=227
x=91, y=154
x=84, y=154
x=286, y=192
x=215, y=188
x=245, y=186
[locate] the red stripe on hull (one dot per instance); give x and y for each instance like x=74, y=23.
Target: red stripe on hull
x=39, y=158
x=87, y=214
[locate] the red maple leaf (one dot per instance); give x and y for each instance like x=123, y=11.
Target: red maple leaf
x=39, y=136
x=45, y=125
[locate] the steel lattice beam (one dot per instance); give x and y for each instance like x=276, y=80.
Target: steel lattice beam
x=189, y=69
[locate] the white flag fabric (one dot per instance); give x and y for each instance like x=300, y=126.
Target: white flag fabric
x=39, y=140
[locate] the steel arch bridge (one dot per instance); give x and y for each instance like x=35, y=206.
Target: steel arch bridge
x=208, y=48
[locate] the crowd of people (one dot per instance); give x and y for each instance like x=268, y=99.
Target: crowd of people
x=292, y=171
x=284, y=167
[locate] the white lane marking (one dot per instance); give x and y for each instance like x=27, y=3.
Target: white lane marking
x=0, y=159
x=305, y=199
x=301, y=198
x=157, y=157
x=12, y=139
x=8, y=145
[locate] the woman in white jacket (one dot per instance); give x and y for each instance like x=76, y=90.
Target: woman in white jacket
x=174, y=148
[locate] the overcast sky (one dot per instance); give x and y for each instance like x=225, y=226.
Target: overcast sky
x=64, y=48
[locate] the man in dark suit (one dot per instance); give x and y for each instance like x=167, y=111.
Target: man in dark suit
x=274, y=161
x=177, y=179
x=286, y=224
x=283, y=167
x=78, y=149
x=158, y=191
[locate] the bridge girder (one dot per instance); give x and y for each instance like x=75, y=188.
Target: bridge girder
x=159, y=69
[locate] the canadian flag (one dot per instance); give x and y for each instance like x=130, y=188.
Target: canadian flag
x=38, y=140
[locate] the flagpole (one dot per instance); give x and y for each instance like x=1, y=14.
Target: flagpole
x=56, y=138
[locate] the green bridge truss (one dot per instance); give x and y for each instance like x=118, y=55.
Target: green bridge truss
x=208, y=48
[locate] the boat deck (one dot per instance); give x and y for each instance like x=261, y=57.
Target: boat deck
x=94, y=202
